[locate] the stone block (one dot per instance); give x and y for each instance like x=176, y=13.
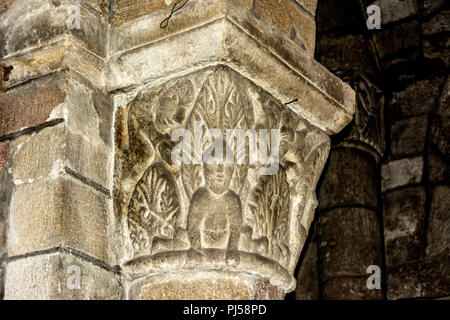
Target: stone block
x=408, y=136
x=438, y=169
x=29, y=105
x=418, y=98
x=395, y=10
x=44, y=23
x=349, y=179
x=35, y=158
x=439, y=223
x=401, y=172
x=349, y=242
x=399, y=37
x=309, y=5
x=444, y=103
x=4, y=155
x=58, y=212
x=54, y=276
x=440, y=134
x=290, y=20
x=212, y=285
x=439, y=23
x=349, y=288
x=430, y=6
x=404, y=225
x=420, y=279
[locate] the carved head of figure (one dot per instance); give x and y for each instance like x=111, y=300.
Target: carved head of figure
x=218, y=174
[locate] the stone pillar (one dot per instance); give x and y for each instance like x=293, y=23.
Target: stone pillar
x=57, y=152
x=89, y=178
x=348, y=228
x=201, y=231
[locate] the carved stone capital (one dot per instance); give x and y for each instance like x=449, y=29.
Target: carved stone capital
x=239, y=223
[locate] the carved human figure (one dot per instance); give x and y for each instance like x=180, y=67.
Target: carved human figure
x=215, y=213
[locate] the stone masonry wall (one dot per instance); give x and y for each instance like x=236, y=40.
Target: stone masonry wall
x=409, y=60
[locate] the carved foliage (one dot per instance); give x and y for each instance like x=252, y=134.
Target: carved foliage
x=154, y=208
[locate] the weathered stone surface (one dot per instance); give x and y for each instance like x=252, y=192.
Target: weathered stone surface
x=440, y=134
x=213, y=285
x=349, y=242
x=401, y=172
x=308, y=276
x=417, y=99
x=29, y=106
x=408, y=136
x=438, y=23
x=399, y=37
x=290, y=20
x=425, y=278
x=33, y=25
x=58, y=212
x=198, y=217
x=34, y=158
x=224, y=41
x=444, y=103
x=404, y=225
x=4, y=154
x=431, y=6
x=348, y=53
x=349, y=288
x=348, y=179
x=50, y=277
x=439, y=224
x=438, y=169
x=309, y=5
x=395, y=10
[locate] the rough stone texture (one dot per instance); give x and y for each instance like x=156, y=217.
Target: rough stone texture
x=288, y=18
x=204, y=286
x=4, y=154
x=408, y=137
x=439, y=227
x=404, y=225
x=439, y=23
x=46, y=277
x=340, y=179
x=394, y=10
x=28, y=106
x=309, y=5
x=58, y=212
x=399, y=37
x=425, y=278
x=349, y=242
x=438, y=169
x=349, y=288
x=308, y=276
x=416, y=99
x=401, y=172
x=440, y=134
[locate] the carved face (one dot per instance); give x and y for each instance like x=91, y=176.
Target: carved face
x=218, y=177
x=168, y=113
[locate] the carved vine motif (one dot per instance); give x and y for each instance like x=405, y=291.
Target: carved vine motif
x=153, y=209
x=270, y=207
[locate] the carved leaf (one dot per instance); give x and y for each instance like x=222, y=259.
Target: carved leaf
x=154, y=208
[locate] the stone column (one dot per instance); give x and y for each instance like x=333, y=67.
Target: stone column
x=233, y=231
x=57, y=152
x=348, y=228
x=90, y=117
